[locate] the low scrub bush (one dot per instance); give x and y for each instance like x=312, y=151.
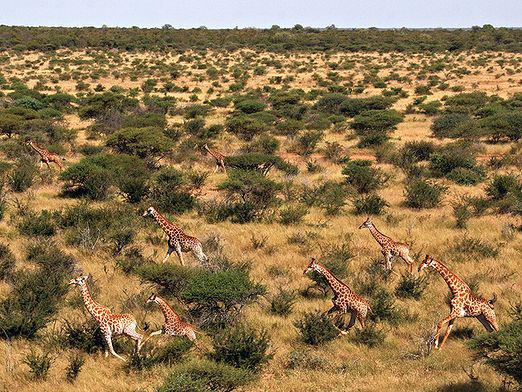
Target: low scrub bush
x=370, y=204
x=205, y=376
x=282, y=303
x=39, y=364
x=242, y=346
x=7, y=262
x=174, y=351
x=371, y=335
x=363, y=177
x=37, y=224
x=422, y=194
x=411, y=287
x=316, y=328
x=292, y=214
x=74, y=367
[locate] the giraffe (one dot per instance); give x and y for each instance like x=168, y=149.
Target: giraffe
x=110, y=324
x=344, y=300
x=46, y=156
x=173, y=326
x=463, y=302
x=389, y=247
x=178, y=241
x=220, y=158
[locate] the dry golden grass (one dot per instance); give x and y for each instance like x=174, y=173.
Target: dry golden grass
x=396, y=365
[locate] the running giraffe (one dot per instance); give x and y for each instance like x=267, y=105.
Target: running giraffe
x=178, y=241
x=46, y=156
x=389, y=247
x=173, y=326
x=463, y=302
x=344, y=300
x=220, y=158
x=110, y=324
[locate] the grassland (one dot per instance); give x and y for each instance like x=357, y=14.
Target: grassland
x=400, y=362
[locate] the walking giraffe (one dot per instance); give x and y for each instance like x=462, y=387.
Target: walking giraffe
x=46, y=156
x=344, y=300
x=178, y=241
x=110, y=324
x=173, y=326
x=463, y=302
x=389, y=247
x=220, y=158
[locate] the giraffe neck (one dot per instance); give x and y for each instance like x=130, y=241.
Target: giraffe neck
x=37, y=149
x=167, y=310
x=335, y=284
x=379, y=237
x=215, y=155
x=454, y=283
x=166, y=226
x=90, y=304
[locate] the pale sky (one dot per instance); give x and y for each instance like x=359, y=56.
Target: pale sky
x=262, y=13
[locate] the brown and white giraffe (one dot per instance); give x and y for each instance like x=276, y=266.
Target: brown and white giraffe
x=220, y=158
x=389, y=247
x=463, y=302
x=110, y=324
x=178, y=241
x=173, y=326
x=344, y=300
x=46, y=156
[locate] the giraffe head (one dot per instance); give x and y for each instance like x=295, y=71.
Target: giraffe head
x=152, y=298
x=149, y=212
x=80, y=280
x=427, y=262
x=367, y=224
x=311, y=267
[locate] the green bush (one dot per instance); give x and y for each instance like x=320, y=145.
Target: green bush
x=376, y=120
x=316, y=328
x=383, y=307
x=242, y=346
x=370, y=204
x=465, y=176
x=74, y=367
x=148, y=142
x=502, y=350
x=411, y=287
x=205, y=376
x=292, y=215
x=169, y=354
x=422, y=194
x=449, y=125
x=22, y=176
x=37, y=224
x=282, y=303
x=7, y=262
x=306, y=143
x=363, y=177
x=502, y=185
x=171, y=191
x=86, y=336
x=39, y=364
x=259, y=162
x=370, y=336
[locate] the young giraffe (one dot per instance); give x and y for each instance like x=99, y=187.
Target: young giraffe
x=46, y=156
x=178, y=241
x=344, y=300
x=110, y=324
x=173, y=326
x=463, y=302
x=390, y=248
x=220, y=158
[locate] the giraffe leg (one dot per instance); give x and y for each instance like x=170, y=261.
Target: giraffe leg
x=448, y=330
x=48, y=166
x=169, y=252
x=108, y=339
x=485, y=322
x=180, y=255
x=439, y=328
x=131, y=332
x=353, y=317
x=198, y=252
x=387, y=260
x=361, y=320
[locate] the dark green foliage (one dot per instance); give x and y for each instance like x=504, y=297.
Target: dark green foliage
x=316, y=328
x=411, y=287
x=205, y=376
x=39, y=364
x=306, y=143
x=383, y=307
x=148, y=142
x=292, y=214
x=74, y=367
x=7, y=262
x=376, y=120
x=247, y=126
x=330, y=196
x=474, y=248
x=242, y=346
x=282, y=302
x=263, y=144
x=370, y=336
x=171, y=191
x=502, y=350
x=86, y=336
x=171, y=353
x=37, y=224
x=363, y=177
x=259, y=162
x=422, y=194
x=449, y=125
x=370, y=204
x=502, y=185
x=23, y=175
x=465, y=176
